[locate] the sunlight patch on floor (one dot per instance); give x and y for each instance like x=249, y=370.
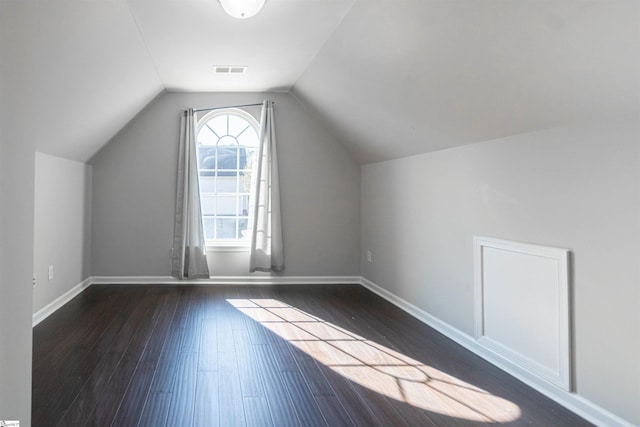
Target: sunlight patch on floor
x=377, y=367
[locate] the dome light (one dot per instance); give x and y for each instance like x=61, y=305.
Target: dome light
x=242, y=9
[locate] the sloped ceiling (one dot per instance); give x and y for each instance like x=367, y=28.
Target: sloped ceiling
x=405, y=77
x=93, y=75
x=390, y=77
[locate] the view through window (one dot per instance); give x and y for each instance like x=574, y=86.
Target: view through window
x=227, y=148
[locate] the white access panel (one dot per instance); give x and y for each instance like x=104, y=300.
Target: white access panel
x=522, y=306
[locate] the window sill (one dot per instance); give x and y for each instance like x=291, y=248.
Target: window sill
x=229, y=247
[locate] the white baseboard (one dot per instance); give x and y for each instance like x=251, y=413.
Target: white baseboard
x=228, y=280
x=54, y=305
x=572, y=401
x=50, y=308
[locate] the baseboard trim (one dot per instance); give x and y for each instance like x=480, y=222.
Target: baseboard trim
x=572, y=401
x=228, y=280
x=51, y=308
x=54, y=305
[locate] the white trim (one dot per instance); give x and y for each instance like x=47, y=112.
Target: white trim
x=437, y=324
x=559, y=375
x=228, y=280
x=219, y=247
x=574, y=402
x=51, y=308
x=54, y=305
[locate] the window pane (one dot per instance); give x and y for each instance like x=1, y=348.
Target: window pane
x=206, y=137
x=226, y=206
x=245, y=181
x=208, y=223
x=227, y=141
x=228, y=157
x=227, y=184
x=243, y=223
x=219, y=124
x=207, y=184
x=249, y=138
x=208, y=204
x=244, y=205
x=237, y=125
x=251, y=153
x=206, y=159
x=226, y=228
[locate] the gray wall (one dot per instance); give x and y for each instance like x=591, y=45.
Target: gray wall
x=17, y=102
x=573, y=187
x=61, y=226
x=134, y=191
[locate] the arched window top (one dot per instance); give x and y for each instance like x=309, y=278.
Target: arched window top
x=229, y=126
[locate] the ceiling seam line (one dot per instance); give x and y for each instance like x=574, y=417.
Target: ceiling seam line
x=146, y=46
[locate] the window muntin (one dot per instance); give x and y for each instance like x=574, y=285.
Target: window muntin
x=227, y=143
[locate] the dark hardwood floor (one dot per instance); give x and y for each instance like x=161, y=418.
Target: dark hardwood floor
x=276, y=356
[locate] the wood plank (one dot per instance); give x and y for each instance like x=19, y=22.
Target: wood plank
x=304, y=403
x=156, y=410
x=257, y=412
x=354, y=405
x=135, y=397
x=230, y=400
x=208, y=360
x=278, y=398
x=91, y=394
x=163, y=379
x=181, y=408
x=207, y=407
x=333, y=411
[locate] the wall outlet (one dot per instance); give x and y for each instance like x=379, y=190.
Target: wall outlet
x=369, y=256
x=34, y=280
x=51, y=272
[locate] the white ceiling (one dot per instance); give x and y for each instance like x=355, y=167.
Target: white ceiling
x=187, y=38
x=93, y=75
x=101, y=61
x=426, y=75
x=390, y=77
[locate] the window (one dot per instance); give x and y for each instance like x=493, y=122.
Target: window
x=227, y=144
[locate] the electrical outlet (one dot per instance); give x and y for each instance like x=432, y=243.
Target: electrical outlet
x=51, y=272
x=34, y=280
x=369, y=256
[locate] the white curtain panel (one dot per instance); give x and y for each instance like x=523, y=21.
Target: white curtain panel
x=189, y=259
x=266, y=252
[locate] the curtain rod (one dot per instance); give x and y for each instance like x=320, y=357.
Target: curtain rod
x=230, y=106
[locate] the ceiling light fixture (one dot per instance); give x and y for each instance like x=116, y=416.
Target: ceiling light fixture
x=242, y=9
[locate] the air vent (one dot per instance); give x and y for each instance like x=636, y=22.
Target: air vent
x=229, y=69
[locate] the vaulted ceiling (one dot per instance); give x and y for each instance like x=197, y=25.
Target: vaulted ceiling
x=390, y=77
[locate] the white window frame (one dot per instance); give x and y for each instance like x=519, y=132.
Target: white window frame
x=229, y=245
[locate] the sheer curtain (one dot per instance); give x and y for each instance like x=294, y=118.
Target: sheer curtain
x=266, y=252
x=189, y=260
